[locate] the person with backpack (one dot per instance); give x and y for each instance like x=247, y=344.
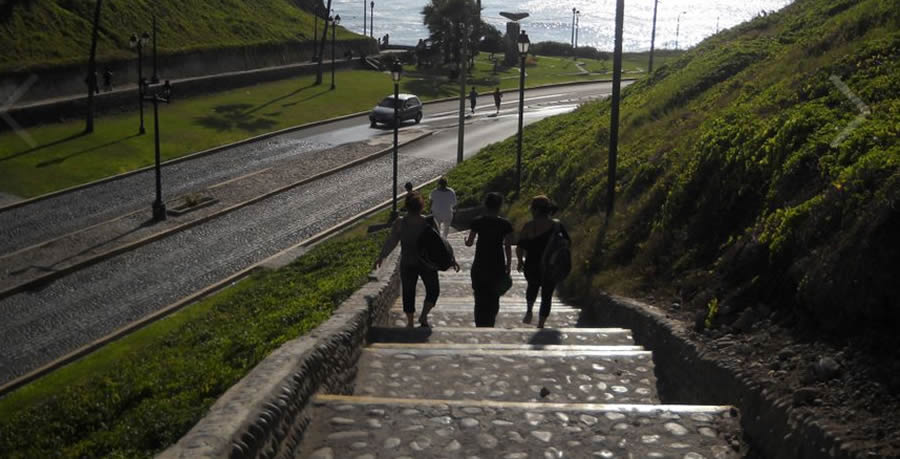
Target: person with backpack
x=407, y=231
x=493, y=259
x=544, y=244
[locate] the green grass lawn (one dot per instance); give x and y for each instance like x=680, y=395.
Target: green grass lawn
x=140, y=394
x=64, y=158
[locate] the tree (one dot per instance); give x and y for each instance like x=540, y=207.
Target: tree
x=492, y=39
x=447, y=21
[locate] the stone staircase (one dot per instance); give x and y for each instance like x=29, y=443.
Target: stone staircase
x=509, y=392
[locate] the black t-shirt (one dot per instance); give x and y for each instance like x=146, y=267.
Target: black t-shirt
x=490, y=261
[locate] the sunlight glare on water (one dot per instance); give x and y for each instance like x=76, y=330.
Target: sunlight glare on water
x=552, y=19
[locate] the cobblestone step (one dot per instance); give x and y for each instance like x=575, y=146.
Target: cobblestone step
x=370, y=428
x=571, y=374
x=471, y=335
x=505, y=319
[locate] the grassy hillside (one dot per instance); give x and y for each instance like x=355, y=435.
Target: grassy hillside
x=733, y=186
x=43, y=33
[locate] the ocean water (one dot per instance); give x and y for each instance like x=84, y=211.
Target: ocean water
x=690, y=21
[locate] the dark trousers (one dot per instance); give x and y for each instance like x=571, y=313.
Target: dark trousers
x=535, y=283
x=487, y=304
x=409, y=276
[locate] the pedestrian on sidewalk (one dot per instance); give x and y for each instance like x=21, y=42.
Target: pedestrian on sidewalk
x=533, y=240
x=473, y=97
x=497, y=98
x=493, y=259
x=443, y=205
x=406, y=231
x=107, y=80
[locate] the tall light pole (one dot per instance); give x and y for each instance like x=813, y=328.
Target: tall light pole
x=92, y=69
x=614, y=110
x=577, y=25
x=365, y=19
x=372, y=18
x=464, y=32
x=396, y=73
x=315, y=33
x=572, y=40
x=334, y=23
x=653, y=36
x=138, y=43
x=155, y=78
x=165, y=96
x=678, y=28
x=523, y=44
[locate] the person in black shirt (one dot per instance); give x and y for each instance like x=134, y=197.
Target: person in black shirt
x=532, y=241
x=493, y=258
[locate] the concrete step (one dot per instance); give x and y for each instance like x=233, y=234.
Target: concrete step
x=565, y=374
x=468, y=305
x=441, y=319
x=367, y=428
x=471, y=335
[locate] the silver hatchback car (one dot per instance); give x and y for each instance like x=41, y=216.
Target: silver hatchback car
x=409, y=108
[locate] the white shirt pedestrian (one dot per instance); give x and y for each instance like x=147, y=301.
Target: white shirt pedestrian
x=443, y=203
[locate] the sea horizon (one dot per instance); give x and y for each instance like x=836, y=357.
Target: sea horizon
x=681, y=22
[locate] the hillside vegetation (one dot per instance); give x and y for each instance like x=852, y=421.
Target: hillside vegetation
x=734, y=188
x=45, y=33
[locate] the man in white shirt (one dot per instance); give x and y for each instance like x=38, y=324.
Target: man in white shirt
x=443, y=204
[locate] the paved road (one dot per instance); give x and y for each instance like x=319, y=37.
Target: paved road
x=37, y=327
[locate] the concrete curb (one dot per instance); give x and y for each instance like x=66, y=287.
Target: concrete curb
x=111, y=253
x=239, y=143
x=686, y=374
x=266, y=413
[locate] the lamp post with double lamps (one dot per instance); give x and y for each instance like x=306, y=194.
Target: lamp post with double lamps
x=523, y=44
x=334, y=23
x=162, y=94
x=396, y=73
x=138, y=42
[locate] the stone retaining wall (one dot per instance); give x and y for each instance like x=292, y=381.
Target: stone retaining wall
x=266, y=413
x=687, y=376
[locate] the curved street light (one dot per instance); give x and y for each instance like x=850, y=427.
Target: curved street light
x=396, y=73
x=138, y=43
x=678, y=28
x=164, y=95
x=523, y=45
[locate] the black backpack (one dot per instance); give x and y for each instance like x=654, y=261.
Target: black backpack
x=435, y=253
x=556, y=262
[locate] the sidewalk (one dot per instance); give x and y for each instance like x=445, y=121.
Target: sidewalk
x=508, y=392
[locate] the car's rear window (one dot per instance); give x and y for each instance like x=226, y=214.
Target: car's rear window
x=387, y=102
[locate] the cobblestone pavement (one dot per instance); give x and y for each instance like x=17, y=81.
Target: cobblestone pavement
x=39, y=326
x=513, y=392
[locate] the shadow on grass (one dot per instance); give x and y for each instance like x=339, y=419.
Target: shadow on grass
x=61, y=159
x=234, y=116
x=444, y=88
x=41, y=147
x=280, y=98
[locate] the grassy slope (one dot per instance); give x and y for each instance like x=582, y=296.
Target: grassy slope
x=141, y=393
x=43, y=33
x=728, y=187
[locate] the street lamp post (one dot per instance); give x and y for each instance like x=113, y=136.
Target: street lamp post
x=396, y=72
x=155, y=78
x=165, y=96
x=572, y=40
x=464, y=32
x=678, y=28
x=372, y=19
x=315, y=34
x=523, y=53
x=138, y=43
x=577, y=26
x=334, y=23
x=653, y=36
x=365, y=19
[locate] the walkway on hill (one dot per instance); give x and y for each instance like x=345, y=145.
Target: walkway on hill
x=509, y=392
